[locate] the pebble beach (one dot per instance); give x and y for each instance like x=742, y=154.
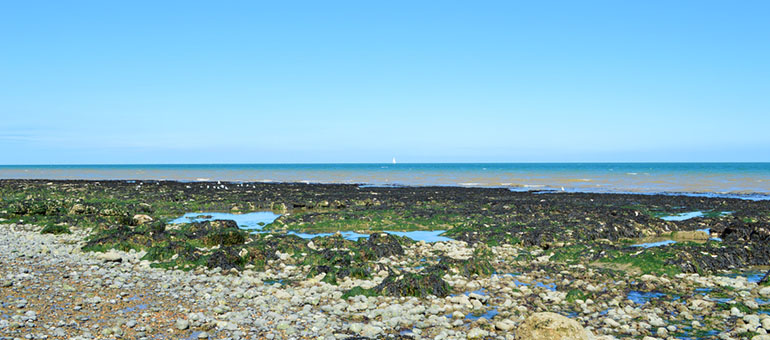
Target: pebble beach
x=52, y=290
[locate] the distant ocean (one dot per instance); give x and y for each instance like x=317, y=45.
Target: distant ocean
x=709, y=178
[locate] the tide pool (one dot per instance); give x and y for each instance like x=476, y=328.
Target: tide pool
x=643, y=297
x=693, y=214
x=255, y=221
x=248, y=221
x=683, y=216
x=654, y=244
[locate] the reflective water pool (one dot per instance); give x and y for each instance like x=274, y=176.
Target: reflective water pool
x=256, y=220
x=654, y=244
x=692, y=214
x=643, y=297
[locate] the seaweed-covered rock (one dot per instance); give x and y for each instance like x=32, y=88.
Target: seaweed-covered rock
x=225, y=258
x=225, y=238
x=699, y=259
x=335, y=264
x=270, y=245
x=56, y=229
x=172, y=249
x=119, y=237
x=412, y=284
x=746, y=233
x=478, y=264
x=36, y=207
x=199, y=230
x=384, y=245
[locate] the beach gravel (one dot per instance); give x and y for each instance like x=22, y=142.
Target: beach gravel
x=51, y=289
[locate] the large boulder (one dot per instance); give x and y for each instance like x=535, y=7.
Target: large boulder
x=552, y=326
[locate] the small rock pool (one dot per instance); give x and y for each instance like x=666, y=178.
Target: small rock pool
x=693, y=214
x=643, y=297
x=666, y=240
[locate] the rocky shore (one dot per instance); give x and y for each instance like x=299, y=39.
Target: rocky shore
x=94, y=260
x=51, y=289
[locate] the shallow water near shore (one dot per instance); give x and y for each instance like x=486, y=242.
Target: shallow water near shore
x=710, y=179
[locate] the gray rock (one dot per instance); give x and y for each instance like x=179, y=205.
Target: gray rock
x=765, y=291
x=142, y=219
x=110, y=256
x=31, y=315
x=371, y=331
x=355, y=328
x=504, y=325
x=477, y=333
x=117, y=332
x=59, y=332
x=182, y=324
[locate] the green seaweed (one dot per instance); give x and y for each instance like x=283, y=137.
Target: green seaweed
x=357, y=290
x=576, y=294
x=647, y=261
x=56, y=229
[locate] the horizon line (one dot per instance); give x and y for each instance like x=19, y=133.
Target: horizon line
x=403, y=163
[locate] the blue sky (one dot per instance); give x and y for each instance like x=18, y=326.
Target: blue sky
x=364, y=81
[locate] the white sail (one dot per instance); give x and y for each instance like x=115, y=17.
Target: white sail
x=394, y=160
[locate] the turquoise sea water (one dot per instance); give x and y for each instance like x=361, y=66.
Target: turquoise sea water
x=719, y=178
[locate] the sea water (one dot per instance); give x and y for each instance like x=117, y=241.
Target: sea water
x=745, y=180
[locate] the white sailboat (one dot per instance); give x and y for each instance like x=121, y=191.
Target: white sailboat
x=394, y=160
